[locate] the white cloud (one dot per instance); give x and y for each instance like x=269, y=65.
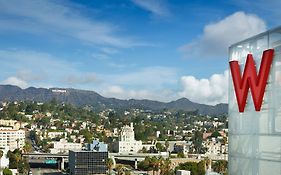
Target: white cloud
x=57, y=18
x=147, y=77
x=122, y=93
x=218, y=36
x=208, y=91
x=155, y=6
x=39, y=68
x=15, y=81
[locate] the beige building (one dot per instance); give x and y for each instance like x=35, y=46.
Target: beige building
x=127, y=142
x=11, y=138
x=13, y=123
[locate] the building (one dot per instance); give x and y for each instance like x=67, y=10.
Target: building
x=4, y=161
x=11, y=138
x=176, y=146
x=97, y=146
x=63, y=146
x=55, y=134
x=89, y=162
x=183, y=172
x=13, y=123
x=255, y=133
x=127, y=142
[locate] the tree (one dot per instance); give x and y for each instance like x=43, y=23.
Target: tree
x=208, y=162
x=201, y=166
x=27, y=147
x=190, y=166
x=155, y=163
x=143, y=150
x=197, y=140
x=145, y=164
x=165, y=167
x=193, y=167
x=109, y=164
x=160, y=147
x=1, y=155
x=23, y=166
x=215, y=134
x=120, y=169
x=16, y=161
x=87, y=135
x=7, y=171
x=220, y=166
x=180, y=155
x=167, y=145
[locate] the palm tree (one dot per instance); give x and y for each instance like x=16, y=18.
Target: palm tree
x=119, y=169
x=165, y=167
x=155, y=163
x=208, y=163
x=109, y=164
x=127, y=172
x=27, y=147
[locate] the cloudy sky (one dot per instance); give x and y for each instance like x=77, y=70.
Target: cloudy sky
x=143, y=49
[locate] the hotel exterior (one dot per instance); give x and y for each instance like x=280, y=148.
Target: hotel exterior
x=255, y=135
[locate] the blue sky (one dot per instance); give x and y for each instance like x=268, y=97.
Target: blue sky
x=144, y=49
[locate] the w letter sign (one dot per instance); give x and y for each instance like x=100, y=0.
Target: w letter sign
x=250, y=79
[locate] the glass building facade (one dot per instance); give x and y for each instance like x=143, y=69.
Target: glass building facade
x=255, y=137
x=87, y=162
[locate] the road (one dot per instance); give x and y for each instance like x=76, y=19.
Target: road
x=39, y=171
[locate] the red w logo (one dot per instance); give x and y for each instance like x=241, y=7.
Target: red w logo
x=250, y=79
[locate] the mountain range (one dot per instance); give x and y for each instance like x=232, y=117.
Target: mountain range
x=97, y=102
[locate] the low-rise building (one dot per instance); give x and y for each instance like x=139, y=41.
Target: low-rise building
x=54, y=134
x=63, y=146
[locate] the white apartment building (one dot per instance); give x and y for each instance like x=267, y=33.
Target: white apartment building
x=127, y=142
x=63, y=146
x=11, y=138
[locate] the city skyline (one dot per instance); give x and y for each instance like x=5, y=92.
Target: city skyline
x=159, y=50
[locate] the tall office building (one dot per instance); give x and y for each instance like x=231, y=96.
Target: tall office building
x=89, y=162
x=255, y=135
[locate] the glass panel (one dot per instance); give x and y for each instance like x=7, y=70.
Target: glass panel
x=255, y=137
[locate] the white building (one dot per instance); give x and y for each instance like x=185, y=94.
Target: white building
x=63, y=146
x=183, y=172
x=127, y=142
x=255, y=131
x=54, y=134
x=11, y=138
x=4, y=159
